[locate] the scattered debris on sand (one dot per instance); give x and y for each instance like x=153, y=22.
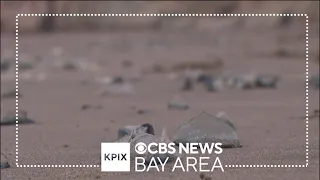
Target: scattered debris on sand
x=65, y=145
x=69, y=66
x=315, y=114
x=117, y=80
x=285, y=53
x=127, y=130
x=11, y=94
x=244, y=82
x=177, y=103
x=285, y=21
x=140, y=134
x=204, y=128
x=208, y=128
x=5, y=64
x=25, y=65
x=118, y=89
x=204, y=177
x=4, y=164
x=116, y=85
x=266, y=81
x=187, y=85
x=10, y=118
x=88, y=106
x=142, y=111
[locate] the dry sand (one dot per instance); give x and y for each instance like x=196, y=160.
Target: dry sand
x=268, y=135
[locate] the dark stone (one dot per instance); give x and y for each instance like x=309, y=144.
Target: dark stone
x=5, y=65
x=150, y=129
x=187, y=84
x=4, y=165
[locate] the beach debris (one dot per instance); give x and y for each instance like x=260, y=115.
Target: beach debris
x=212, y=85
x=284, y=21
x=118, y=89
x=283, y=53
x=69, y=66
x=127, y=130
x=25, y=65
x=244, y=82
x=247, y=81
x=5, y=65
x=250, y=81
x=117, y=80
x=142, y=111
x=137, y=135
x=11, y=94
x=10, y=118
x=187, y=84
x=178, y=103
x=313, y=115
x=147, y=139
x=267, y=81
x=65, y=145
x=315, y=81
x=198, y=65
x=204, y=177
x=207, y=128
x=112, y=80
x=203, y=77
x=89, y=106
x=4, y=164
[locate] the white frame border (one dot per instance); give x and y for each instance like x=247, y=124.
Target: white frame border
x=166, y=15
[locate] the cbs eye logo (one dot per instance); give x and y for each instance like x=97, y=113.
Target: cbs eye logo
x=141, y=148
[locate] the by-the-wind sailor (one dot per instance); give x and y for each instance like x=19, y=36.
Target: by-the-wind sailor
x=207, y=128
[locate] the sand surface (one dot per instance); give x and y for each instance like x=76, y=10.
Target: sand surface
x=53, y=98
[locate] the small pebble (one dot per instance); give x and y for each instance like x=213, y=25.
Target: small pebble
x=11, y=94
x=23, y=66
x=209, y=84
x=4, y=165
x=5, y=65
x=178, y=103
x=10, y=118
x=65, y=145
x=264, y=81
x=69, y=66
x=141, y=111
x=118, y=80
x=88, y=106
x=187, y=84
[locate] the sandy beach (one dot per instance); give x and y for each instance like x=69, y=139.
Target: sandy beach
x=66, y=133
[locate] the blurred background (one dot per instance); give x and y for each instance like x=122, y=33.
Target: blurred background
x=83, y=78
